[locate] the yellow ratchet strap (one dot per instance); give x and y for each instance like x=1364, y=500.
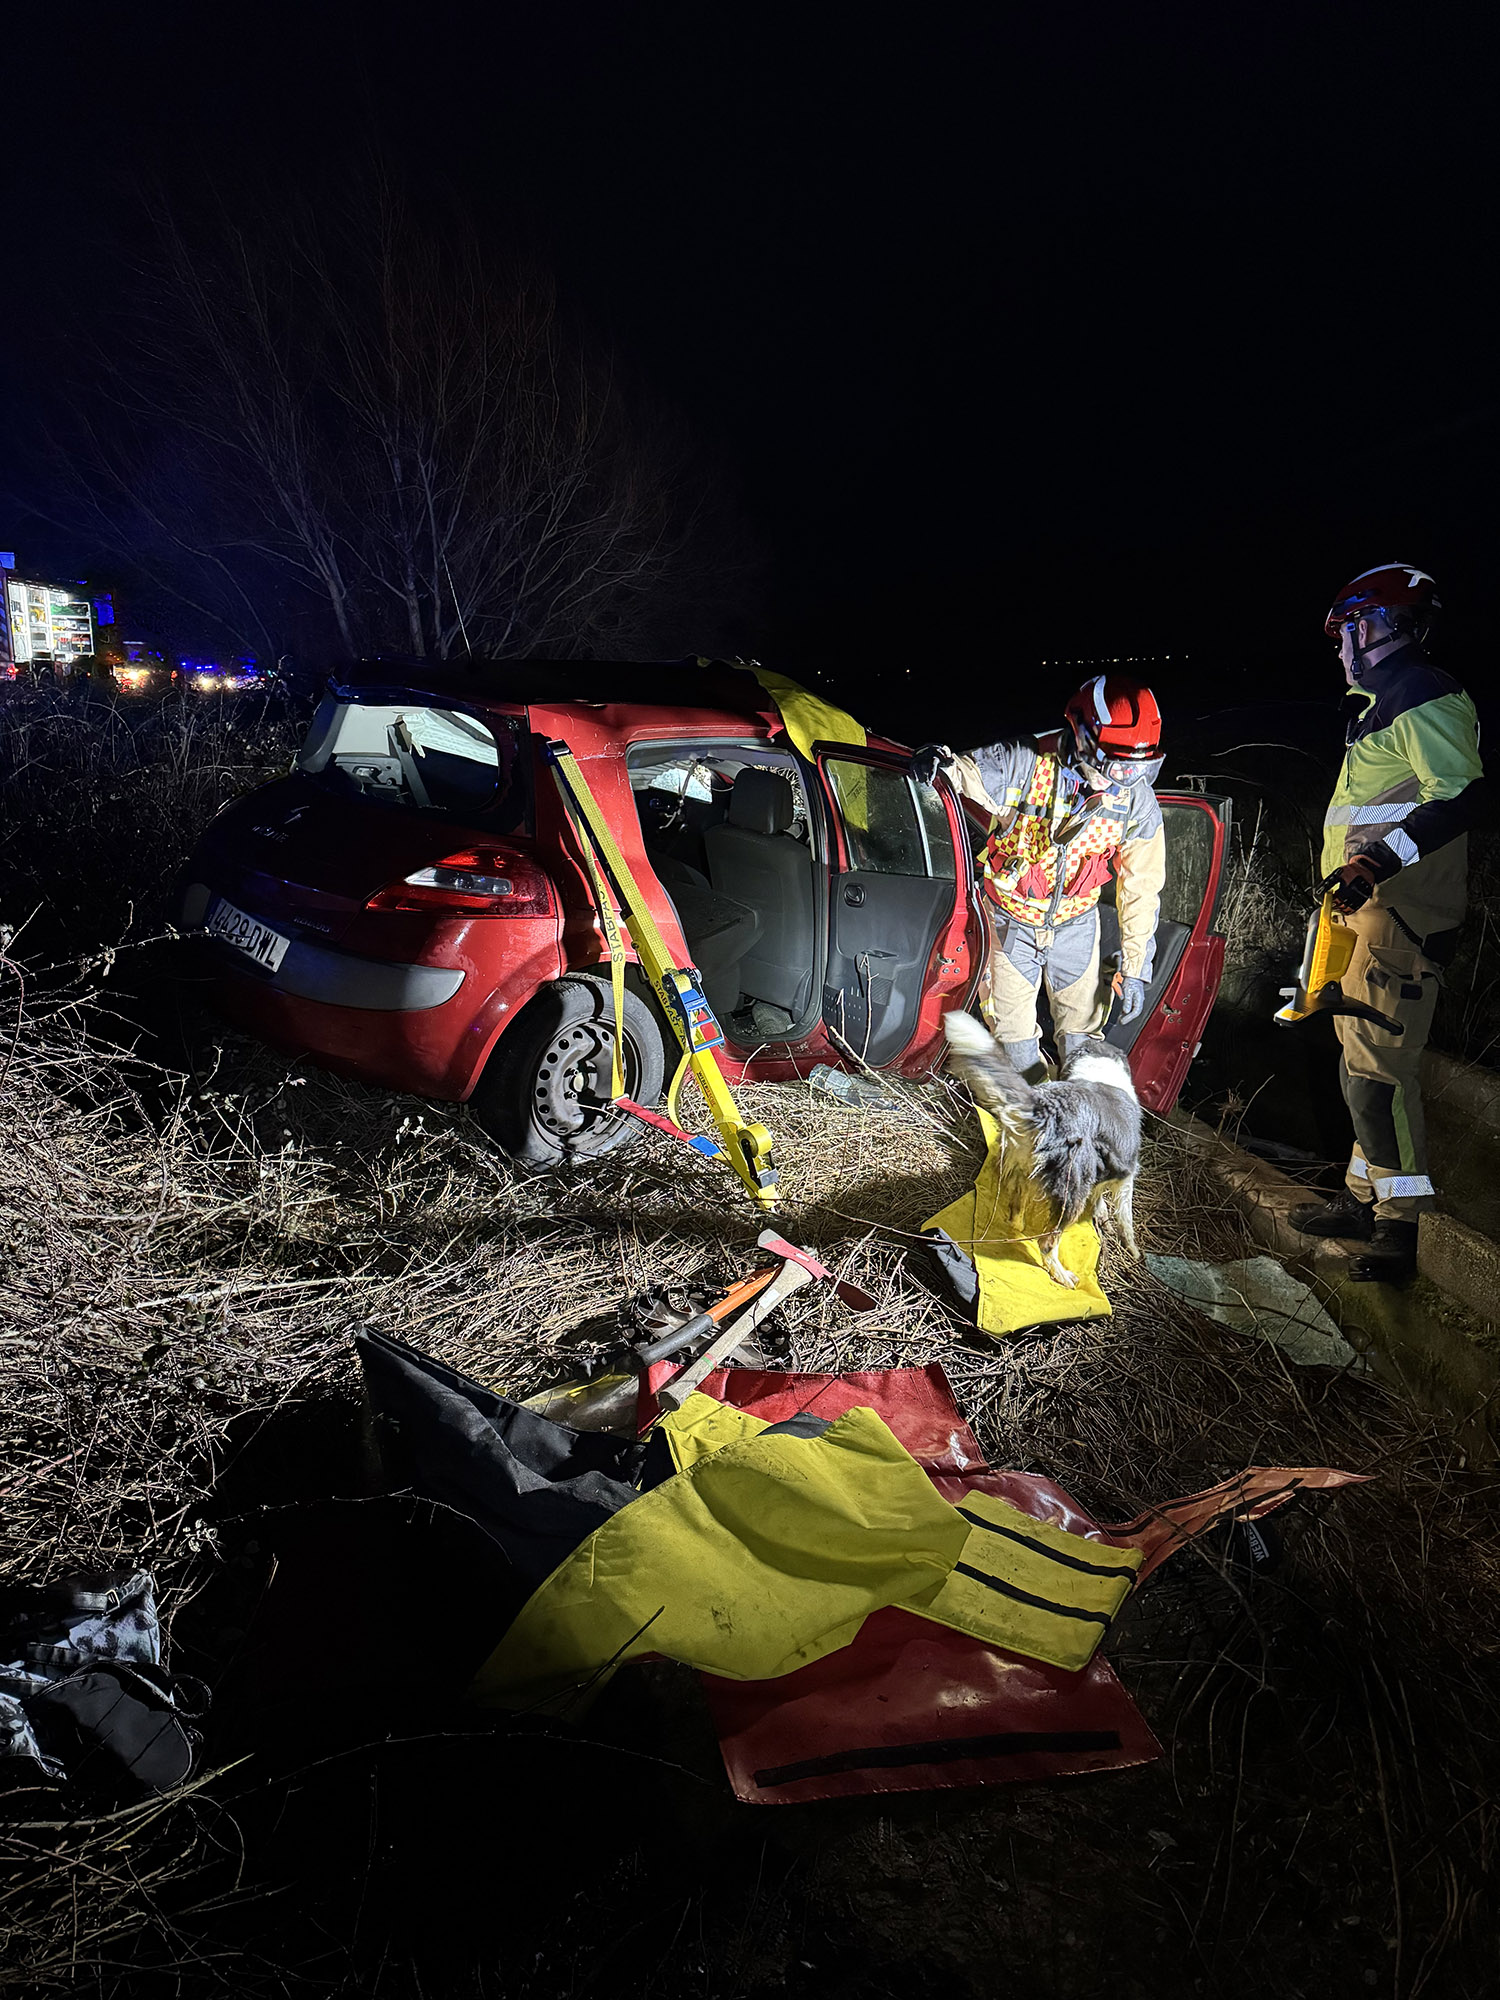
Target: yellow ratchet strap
x=615, y=944
x=747, y=1145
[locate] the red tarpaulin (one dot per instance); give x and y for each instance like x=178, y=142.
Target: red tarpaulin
x=911, y=1705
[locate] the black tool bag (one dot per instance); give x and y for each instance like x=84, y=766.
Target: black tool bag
x=83, y=1692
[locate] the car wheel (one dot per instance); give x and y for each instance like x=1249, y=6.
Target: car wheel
x=545, y=1093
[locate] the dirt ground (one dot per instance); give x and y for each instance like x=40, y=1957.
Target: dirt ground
x=1321, y=1822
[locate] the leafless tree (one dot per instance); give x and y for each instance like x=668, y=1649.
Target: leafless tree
x=364, y=403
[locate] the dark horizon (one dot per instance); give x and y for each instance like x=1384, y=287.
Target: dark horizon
x=1023, y=339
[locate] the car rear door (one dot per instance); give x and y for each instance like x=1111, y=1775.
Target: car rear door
x=903, y=943
x=1189, y=961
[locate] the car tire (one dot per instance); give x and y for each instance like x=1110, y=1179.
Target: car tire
x=544, y=1094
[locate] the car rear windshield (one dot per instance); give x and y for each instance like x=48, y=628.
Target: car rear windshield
x=423, y=757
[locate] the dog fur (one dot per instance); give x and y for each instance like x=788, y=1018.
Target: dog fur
x=1077, y=1140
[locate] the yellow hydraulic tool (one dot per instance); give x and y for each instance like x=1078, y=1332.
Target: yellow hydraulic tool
x=747, y=1147
x=1325, y=960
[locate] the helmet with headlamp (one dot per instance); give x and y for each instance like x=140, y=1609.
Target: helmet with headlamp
x=1402, y=597
x=1115, y=725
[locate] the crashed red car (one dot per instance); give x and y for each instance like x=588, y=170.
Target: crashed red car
x=409, y=906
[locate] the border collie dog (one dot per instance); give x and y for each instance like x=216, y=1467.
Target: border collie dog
x=1077, y=1141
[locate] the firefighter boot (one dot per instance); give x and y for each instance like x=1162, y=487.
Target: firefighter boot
x=1390, y=1256
x=1027, y=1058
x=1342, y=1216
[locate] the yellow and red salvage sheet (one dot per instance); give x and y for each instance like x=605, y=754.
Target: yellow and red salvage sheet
x=768, y=1550
x=903, y=1700
x=1015, y=1287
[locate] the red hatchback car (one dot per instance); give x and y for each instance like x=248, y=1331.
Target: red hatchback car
x=409, y=905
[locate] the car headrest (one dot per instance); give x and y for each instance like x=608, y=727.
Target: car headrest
x=762, y=802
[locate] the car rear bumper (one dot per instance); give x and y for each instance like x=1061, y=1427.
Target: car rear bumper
x=428, y=1029
x=336, y=978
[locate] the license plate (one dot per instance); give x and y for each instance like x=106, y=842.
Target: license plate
x=247, y=934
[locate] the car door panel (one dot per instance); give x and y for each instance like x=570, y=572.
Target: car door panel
x=882, y=936
x=900, y=917
x=1189, y=960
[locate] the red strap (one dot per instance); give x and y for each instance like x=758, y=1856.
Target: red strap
x=710, y=1148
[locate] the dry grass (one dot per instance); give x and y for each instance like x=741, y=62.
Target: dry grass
x=183, y=1251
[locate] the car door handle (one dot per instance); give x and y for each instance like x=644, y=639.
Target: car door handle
x=854, y=894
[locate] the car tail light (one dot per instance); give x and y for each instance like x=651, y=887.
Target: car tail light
x=485, y=881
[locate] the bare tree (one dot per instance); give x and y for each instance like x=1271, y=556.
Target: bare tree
x=345, y=397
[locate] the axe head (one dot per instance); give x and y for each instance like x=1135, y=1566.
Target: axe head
x=857, y=1300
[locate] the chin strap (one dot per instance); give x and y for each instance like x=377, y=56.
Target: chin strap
x=1405, y=642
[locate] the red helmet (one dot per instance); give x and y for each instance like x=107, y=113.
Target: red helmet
x=1387, y=587
x=1116, y=727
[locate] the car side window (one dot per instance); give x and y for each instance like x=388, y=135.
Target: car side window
x=1189, y=833
x=884, y=834
x=941, y=860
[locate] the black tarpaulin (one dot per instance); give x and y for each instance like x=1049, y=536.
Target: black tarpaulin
x=534, y=1486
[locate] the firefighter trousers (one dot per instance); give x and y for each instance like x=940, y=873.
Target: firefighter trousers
x=1381, y=1073
x=1027, y=957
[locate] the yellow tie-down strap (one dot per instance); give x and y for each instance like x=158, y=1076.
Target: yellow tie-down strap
x=747, y=1145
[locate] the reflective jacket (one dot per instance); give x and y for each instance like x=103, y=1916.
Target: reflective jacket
x=1054, y=843
x=1411, y=777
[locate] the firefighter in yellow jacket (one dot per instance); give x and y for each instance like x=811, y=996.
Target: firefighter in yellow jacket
x=1396, y=856
x=1070, y=808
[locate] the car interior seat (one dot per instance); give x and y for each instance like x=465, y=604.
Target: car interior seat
x=755, y=860
x=719, y=930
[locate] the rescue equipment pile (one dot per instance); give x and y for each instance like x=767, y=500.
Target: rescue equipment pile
x=871, y=1607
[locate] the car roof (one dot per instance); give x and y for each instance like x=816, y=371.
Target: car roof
x=701, y=697
x=677, y=684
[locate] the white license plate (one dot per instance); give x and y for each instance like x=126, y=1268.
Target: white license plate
x=247, y=934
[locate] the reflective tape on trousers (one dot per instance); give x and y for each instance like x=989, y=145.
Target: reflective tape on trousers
x=1400, y=1185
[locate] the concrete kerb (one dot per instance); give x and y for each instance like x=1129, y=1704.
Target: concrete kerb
x=1436, y=1340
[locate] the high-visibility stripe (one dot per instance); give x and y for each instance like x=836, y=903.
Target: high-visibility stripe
x=1020, y=1596
x=1398, y=1186
x=1359, y=1168
x=1378, y=815
x=1403, y=847
x=1111, y=1569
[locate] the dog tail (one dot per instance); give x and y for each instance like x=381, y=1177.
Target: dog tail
x=997, y=1084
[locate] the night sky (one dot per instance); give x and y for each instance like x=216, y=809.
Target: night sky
x=1027, y=335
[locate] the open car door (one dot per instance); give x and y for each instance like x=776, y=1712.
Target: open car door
x=899, y=918
x=1164, y=1038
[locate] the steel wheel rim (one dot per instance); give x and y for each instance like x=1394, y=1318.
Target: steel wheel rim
x=570, y=1094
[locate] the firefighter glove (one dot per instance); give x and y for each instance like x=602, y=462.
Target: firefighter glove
x=928, y=761
x=1359, y=878
x=1132, y=994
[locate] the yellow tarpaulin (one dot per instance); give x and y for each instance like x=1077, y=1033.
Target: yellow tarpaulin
x=703, y=1425
x=1015, y=1289
x=808, y=718
x=770, y=1550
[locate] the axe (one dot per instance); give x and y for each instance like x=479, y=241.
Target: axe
x=790, y=1278
x=855, y=1299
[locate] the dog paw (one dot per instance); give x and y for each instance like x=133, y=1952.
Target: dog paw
x=1066, y=1279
